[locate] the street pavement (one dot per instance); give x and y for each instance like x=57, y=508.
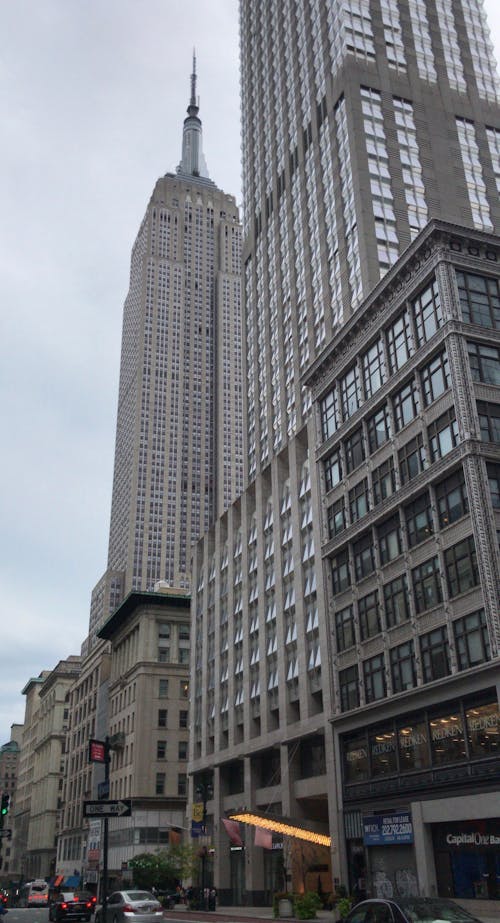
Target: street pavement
x=485, y=911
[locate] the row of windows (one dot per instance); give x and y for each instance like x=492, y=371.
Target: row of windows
x=472, y=648
x=448, y=734
x=480, y=304
x=384, y=358
x=161, y=750
x=460, y=565
x=442, y=437
x=451, y=497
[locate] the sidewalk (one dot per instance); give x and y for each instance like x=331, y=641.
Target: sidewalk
x=483, y=910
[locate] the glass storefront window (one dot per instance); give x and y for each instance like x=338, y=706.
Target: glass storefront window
x=356, y=760
x=383, y=753
x=483, y=730
x=413, y=746
x=447, y=739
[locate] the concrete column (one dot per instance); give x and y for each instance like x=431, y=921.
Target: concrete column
x=424, y=852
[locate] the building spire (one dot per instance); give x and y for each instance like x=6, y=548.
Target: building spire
x=193, y=161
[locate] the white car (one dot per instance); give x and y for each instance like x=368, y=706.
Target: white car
x=139, y=906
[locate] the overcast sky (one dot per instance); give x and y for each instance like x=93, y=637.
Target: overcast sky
x=93, y=94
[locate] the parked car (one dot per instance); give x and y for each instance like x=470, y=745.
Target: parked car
x=71, y=905
x=139, y=906
x=409, y=910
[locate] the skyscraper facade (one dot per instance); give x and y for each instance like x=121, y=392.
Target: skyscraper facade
x=178, y=465
x=178, y=454
x=361, y=123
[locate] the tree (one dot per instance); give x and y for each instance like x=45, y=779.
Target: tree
x=165, y=868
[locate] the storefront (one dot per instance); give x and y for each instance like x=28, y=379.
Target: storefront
x=413, y=822
x=467, y=856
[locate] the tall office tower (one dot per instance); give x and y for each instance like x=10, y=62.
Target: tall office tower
x=178, y=454
x=361, y=122
x=178, y=464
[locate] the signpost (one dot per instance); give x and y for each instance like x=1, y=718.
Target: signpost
x=121, y=808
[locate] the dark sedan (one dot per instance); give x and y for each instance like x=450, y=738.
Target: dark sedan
x=410, y=910
x=71, y=905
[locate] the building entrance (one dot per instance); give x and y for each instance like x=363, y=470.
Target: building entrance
x=467, y=857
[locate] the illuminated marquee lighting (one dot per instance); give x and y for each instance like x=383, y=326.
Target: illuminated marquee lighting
x=284, y=828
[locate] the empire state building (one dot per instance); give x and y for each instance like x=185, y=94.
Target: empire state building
x=178, y=453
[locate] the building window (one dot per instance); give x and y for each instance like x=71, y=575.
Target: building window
x=161, y=749
x=329, y=415
x=389, y=539
x=160, y=783
x=163, y=688
x=406, y=405
x=374, y=677
x=399, y=342
x=333, y=470
x=183, y=719
x=184, y=689
x=471, y=640
x=396, y=602
x=435, y=378
x=373, y=368
x=411, y=459
x=427, y=585
x=183, y=750
x=369, y=617
x=164, y=631
x=379, y=429
x=489, y=421
x=349, y=688
x=494, y=484
x=162, y=718
x=358, y=500
x=336, y=518
x=164, y=655
x=340, y=572
x=443, y=435
x=418, y=515
x=383, y=481
x=461, y=567
x=354, y=450
x=484, y=362
x=479, y=299
x=434, y=651
x=403, y=671
x=350, y=392
x=481, y=719
x=451, y=497
x=427, y=313
x=182, y=784
x=344, y=628
x=447, y=739
x=364, y=558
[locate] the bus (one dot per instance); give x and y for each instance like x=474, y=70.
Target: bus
x=34, y=894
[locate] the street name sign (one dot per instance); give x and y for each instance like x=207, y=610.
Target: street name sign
x=6, y=831
x=122, y=808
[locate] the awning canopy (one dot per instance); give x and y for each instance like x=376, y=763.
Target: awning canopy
x=72, y=881
x=284, y=825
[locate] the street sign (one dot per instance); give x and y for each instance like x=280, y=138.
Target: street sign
x=103, y=790
x=107, y=808
x=97, y=751
x=7, y=832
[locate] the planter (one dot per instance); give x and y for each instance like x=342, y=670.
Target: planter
x=285, y=908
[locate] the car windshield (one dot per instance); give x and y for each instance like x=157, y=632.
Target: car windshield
x=140, y=896
x=429, y=911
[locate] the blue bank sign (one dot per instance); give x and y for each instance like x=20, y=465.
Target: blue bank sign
x=384, y=829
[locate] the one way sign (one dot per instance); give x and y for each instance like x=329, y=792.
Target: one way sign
x=121, y=808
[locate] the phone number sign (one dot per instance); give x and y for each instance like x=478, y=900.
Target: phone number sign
x=384, y=829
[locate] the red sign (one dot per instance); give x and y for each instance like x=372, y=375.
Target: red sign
x=97, y=751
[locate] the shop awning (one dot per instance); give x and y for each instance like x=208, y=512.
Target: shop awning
x=72, y=881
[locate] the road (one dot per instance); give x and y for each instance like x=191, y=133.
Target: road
x=26, y=915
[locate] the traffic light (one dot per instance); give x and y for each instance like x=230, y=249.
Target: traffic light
x=5, y=805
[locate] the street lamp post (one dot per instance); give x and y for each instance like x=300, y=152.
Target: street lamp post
x=204, y=791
